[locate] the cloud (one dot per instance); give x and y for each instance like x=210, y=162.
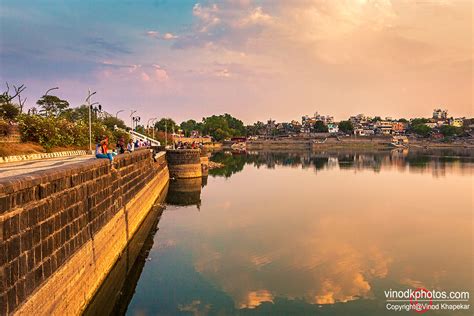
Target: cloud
x=157, y=35
x=159, y=73
x=169, y=36
x=229, y=24
x=153, y=34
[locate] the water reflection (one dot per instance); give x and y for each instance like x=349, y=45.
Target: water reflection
x=434, y=161
x=185, y=192
x=327, y=235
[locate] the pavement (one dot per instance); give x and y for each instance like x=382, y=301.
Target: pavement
x=23, y=167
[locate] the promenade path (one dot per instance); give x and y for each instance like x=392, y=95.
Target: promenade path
x=23, y=167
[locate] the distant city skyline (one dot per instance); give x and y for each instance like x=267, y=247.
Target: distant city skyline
x=253, y=59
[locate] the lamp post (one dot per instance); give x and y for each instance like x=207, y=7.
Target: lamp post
x=47, y=91
x=153, y=126
x=88, y=100
x=131, y=118
x=166, y=133
x=116, y=114
x=135, y=119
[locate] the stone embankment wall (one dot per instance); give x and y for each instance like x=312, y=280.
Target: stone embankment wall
x=184, y=163
x=62, y=230
x=330, y=142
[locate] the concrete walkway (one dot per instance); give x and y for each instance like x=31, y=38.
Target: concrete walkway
x=23, y=167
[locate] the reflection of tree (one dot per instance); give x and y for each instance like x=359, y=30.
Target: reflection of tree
x=436, y=160
x=232, y=164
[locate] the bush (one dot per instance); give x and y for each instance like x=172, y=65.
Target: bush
x=448, y=130
x=58, y=132
x=5, y=128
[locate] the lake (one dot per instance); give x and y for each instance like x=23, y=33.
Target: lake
x=298, y=233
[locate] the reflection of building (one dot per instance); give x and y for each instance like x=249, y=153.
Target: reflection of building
x=184, y=192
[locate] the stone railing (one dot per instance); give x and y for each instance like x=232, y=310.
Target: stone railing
x=58, y=154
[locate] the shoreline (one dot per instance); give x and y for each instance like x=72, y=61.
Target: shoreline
x=369, y=143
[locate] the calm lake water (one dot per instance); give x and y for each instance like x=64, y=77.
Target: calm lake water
x=291, y=233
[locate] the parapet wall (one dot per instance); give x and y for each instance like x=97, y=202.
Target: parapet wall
x=61, y=230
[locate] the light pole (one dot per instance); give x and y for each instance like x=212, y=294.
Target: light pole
x=88, y=100
x=47, y=91
x=166, y=133
x=135, y=119
x=153, y=126
x=116, y=114
x=131, y=118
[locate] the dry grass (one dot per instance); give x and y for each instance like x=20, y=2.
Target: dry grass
x=12, y=149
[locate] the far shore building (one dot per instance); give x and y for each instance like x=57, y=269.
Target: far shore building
x=333, y=128
x=440, y=114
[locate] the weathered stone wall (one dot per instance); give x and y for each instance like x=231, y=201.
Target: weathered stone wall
x=57, y=224
x=184, y=163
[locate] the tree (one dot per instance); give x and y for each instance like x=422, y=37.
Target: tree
x=189, y=126
x=52, y=105
x=346, y=127
x=112, y=121
x=80, y=113
x=9, y=111
x=319, y=127
x=448, y=130
x=422, y=130
x=418, y=121
x=403, y=120
x=166, y=123
x=6, y=99
x=224, y=126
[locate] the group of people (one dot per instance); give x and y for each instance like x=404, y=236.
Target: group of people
x=102, y=147
x=186, y=145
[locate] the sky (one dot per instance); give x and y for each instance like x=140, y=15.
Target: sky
x=256, y=60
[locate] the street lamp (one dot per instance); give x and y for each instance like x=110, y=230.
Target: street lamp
x=116, y=114
x=153, y=126
x=88, y=100
x=47, y=91
x=135, y=119
x=131, y=118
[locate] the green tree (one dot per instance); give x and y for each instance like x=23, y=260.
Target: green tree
x=319, y=127
x=403, y=120
x=166, y=123
x=448, y=130
x=421, y=129
x=52, y=105
x=418, y=121
x=112, y=121
x=80, y=113
x=224, y=126
x=189, y=126
x=346, y=127
x=9, y=111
